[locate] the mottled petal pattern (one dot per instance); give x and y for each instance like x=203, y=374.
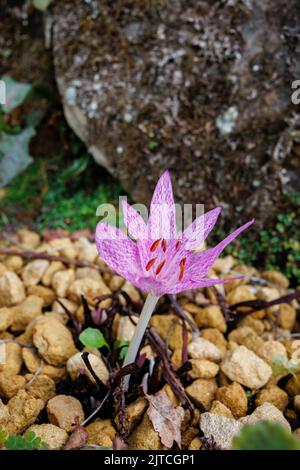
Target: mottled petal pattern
x=199, y=264
x=118, y=251
x=201, y=283
x=200, y=228
x=162, y=219
x=134, y=222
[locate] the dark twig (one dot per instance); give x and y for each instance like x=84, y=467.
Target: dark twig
x=36, y=374
x=256, y=305
x=32, y=255
x=97, y=409
x=16, y=341
x=233, y=313
x=85, y=358
x=170, y=376
x=182, y=314
x=119, y=408
x=129, y=369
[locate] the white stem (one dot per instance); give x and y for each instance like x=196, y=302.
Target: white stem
x=139, y=332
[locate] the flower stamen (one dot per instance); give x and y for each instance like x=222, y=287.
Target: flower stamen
x=164, y=245
x=181, y=267
x=154, y=245
x=160, y=266
x=177, y=245
x=150, y=263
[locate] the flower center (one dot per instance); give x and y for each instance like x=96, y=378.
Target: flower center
x=160, y=260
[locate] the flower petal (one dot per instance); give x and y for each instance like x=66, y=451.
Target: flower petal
x=118, y=251
x=199, y=264
x=162, y=220
x=134, y=222
x=201, y=283
x=200, y=228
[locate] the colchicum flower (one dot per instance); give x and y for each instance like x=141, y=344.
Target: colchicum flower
x=158, y=259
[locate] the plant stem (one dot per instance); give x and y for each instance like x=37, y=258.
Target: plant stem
x=139, y=332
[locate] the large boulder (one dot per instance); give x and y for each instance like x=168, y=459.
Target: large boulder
x=202, y=88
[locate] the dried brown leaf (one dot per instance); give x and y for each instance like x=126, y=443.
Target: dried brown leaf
x=77, y=439
x=165, y=418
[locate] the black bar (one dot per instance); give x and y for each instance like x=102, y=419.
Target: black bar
x=88, y=460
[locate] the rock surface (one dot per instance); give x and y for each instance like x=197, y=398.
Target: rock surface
x=53, y=341
x=234, y=397
x=22, y=411
x=101, y=432
x=75, y=365
x=220, y=428
x=53, y=436
x=201, y=348
x=246, y=368
x=267, y=412
x=185, y=99
x=203, y=392
x=63, y=410
x=11, y=289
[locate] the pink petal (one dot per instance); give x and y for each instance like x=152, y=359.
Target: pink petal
x=118, y=251
x=200, y=228
x=201, y=283
x=199, y=264
x=134, y=222
x=162, y=220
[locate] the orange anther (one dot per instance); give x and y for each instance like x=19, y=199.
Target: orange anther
x=160, y=266
x=154, y=245
x=150, y=263
x=164, y=244
x=177, y=245
x=181, y=267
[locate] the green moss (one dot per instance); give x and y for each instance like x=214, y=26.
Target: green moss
x=54, y=193
x=277, y=247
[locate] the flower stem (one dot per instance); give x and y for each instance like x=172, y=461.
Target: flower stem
x=139, y=332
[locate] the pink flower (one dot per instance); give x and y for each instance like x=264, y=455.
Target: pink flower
x=161, y=260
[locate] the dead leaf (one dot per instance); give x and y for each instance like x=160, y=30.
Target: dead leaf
x=166, y=419
x=119, y=444
x=77, y=439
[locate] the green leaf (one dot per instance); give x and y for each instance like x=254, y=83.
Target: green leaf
x=41, y=5
x=152, y=144
x=265, y=435
x=29, y=436
x=279, y=365
x=16, y=92
x=123, y=345
x=93, y=338
x=36, y=443
x=11, y=442
x=14, y=156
